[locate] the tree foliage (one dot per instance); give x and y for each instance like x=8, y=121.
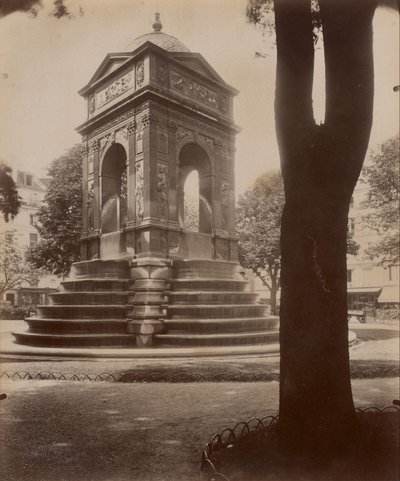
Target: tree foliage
x=191, y=214
x=59, y=220
x=10, y=201
x=32, y=7
x=261, y=12
x=258, y=224
x=382, y=201
x=14, y=271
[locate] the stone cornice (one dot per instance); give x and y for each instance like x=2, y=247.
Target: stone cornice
x=137, y=54
x=126, y=109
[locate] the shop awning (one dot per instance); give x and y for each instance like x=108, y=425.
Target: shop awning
x=364, y=290
x=389, y=294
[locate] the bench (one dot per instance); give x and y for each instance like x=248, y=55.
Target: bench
x=359, y=315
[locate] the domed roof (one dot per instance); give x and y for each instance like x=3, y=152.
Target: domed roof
x=161, y=39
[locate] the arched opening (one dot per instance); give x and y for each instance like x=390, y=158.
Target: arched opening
x=195, y=188
x=191, y=202
x=113, y=189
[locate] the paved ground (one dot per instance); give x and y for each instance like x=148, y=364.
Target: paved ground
x=377, y=343
x=75, y=431
x=83, y=431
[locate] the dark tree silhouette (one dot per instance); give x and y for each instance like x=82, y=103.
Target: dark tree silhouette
x=258, y=225
x=10, y=201
x=320, y=167
x=60, y=9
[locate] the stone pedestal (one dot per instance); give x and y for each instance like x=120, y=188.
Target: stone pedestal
x=151, y=283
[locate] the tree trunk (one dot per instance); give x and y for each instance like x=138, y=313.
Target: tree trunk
x=273, y=293
x=320, y=167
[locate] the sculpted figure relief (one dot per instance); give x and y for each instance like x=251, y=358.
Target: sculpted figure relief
x=225, y=193
x=162, y=188
x=139, y=191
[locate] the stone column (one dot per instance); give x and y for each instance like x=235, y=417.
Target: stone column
x=146, y=318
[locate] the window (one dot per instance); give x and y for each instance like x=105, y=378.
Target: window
x=351, y=226
x=392, y=273
x=352, y=201
x=33, y=239
x=28, y=179
x=20, y=177
x=349, y=275
x=10, y=298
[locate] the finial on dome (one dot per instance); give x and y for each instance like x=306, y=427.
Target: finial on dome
x=157, y=25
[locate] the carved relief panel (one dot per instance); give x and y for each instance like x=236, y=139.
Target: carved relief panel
x=139, y=143
x=194, y=90
x=161, y=72
x=114, y=90
x=139, y=73
x=225, y=197
x=163, y=142
x=162, y=189
x=90, y=206
x=121, y=136
x=139, y=191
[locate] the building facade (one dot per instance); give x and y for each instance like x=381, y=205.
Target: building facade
x=32, y=191
x=369, y=285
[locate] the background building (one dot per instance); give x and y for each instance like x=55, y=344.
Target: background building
x=369, y=285
x=32, y=191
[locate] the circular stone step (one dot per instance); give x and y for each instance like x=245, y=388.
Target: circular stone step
x=225, y=339
x=75, y=340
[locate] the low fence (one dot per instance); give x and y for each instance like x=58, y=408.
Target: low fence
x=178, y=377
x=261, y=430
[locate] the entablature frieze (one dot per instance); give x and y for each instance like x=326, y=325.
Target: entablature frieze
x=217, y=140
x=131, y=107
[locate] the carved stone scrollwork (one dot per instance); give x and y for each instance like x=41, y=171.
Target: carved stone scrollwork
x=208, y=140
x=221, y=149
x=148, y=119
x=114, y=90
x=139, y=143
x=139, y=191
x=139, y=74
x=224, y=104
x=92, y=104
x=163, y=142
x=90, y=162
x=161, y=72
x=94, y=146
x=218, y=145
x=126, y=115
x=131, y=127
x=225, y=194
x=143, y=106
x=121, y=135
x=172, y=127
x=162, y=189
x=84, y=150
x=193, y=89
x=106, y=141
x=184, y=133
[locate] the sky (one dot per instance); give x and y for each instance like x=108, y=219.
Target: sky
x=44, y=61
